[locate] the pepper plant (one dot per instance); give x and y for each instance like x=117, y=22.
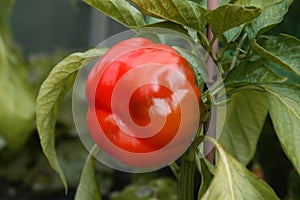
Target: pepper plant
x=261, y=75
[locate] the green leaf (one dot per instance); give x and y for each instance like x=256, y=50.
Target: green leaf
x=245, y=116
x=272, y=14
x=229, y=16
x=54, y=88
x=255, y=72
x=169, y=25
x=284, y=106
x=197, y=64
x=291, y=78
x=232, y=34
x=233, y=181
x=183, y=12
x=88, y=187
x=119, y=10
x=283, y=50
x=206, y=176
x=197, y=1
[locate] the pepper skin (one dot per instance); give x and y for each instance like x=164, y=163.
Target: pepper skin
x=144, y=104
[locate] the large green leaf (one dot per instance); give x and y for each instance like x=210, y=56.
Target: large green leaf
x=229, y=16
x=183, y=12
x=119, y=10
x=245, y=116
x=272, y=14
x=88, y=187
x=51, y=93
x=284, y=106
x=255, y=72
x=283, y=50
x=233, y=181
x=17, y=99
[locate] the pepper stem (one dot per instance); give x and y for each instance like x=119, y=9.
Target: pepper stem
x=187, y=176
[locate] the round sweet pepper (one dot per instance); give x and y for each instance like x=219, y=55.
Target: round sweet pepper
x=143, y=103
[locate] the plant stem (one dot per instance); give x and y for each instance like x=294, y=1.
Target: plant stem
x=188, y=166
x=187, y=176
x=210, y=127
x=240, y=45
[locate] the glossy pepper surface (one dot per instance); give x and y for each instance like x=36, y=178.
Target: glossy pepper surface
x=143, y=103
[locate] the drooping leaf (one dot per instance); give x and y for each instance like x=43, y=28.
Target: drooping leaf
x=54, y=88
x=229, y=16
x=119, y=10
x=255, y=72
x=233, y=181
x=284, y=106
x=283, y=50
x=272, y=14
x=245, y=116
x=183, y=12
x=88, y=187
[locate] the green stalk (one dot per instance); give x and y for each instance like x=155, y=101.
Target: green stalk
x=187, y=175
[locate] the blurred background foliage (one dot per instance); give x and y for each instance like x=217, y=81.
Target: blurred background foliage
x=34, y=36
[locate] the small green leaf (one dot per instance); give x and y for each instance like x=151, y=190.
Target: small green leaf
x=255, y=72
x=229, y=16
x=272, y=14
x=119, y=10
x=245, y=116
x=283, y=50
x=183, y=12
x=54, y=88
x=233, y=181
x=88, y=187
x=284, y=106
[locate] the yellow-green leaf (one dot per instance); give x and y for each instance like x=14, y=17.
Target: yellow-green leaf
x=284, y=106
x=245, y=117
x=233, y=181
